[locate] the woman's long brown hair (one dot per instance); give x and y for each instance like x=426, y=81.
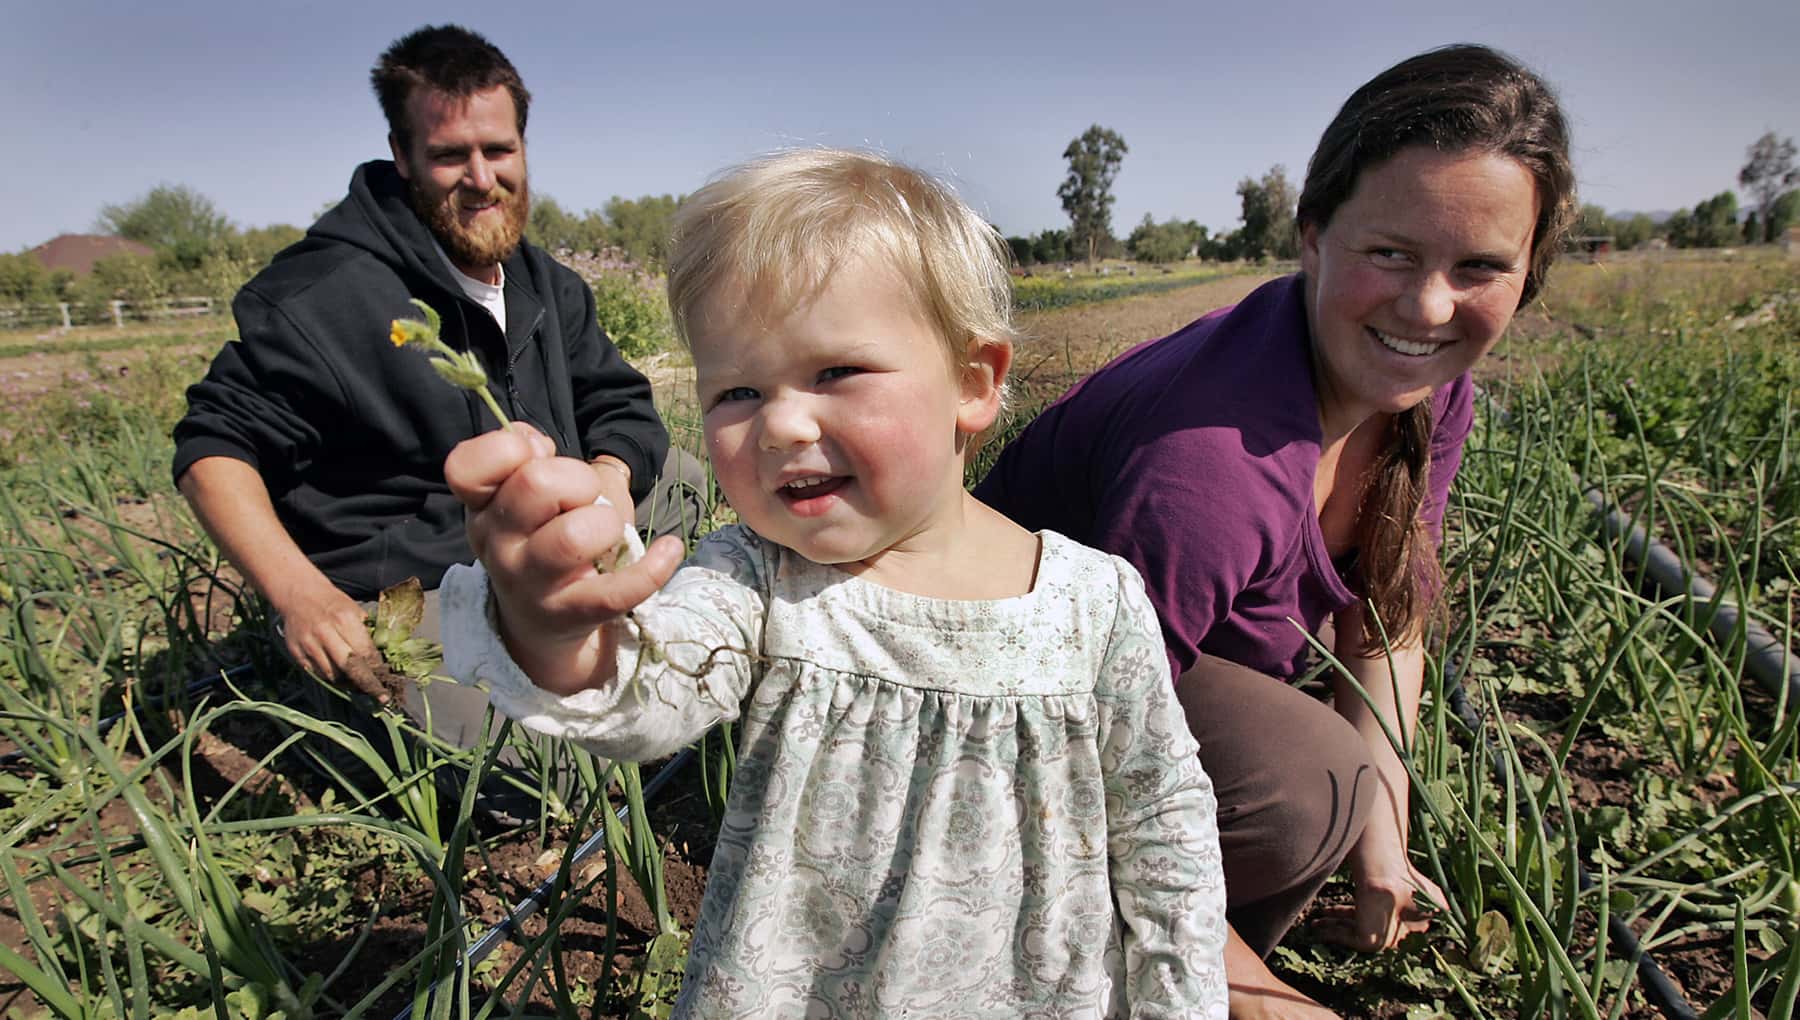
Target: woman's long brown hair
x=1399, y=561
x=1455, y=99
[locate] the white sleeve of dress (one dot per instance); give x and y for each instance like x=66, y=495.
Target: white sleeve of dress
x=1162, y=825
x=686, y=657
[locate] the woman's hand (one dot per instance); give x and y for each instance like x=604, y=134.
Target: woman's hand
x=1391, y=907
x=533, y=522
x=1394, y=899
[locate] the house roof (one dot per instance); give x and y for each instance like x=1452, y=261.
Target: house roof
x=78, y=252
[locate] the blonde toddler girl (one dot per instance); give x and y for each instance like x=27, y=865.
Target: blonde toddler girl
x=964, y=787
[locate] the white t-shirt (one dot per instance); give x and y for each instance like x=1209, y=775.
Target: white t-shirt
x=491, y=297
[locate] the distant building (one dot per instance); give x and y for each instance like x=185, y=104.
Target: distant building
x=1592, y=247
x=77, y=253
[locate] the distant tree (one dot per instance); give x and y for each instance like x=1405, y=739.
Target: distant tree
x=1169, y=241
x=1197, y=236
x=1225, y=247
x=1086, y=193
x=1021, y=251
x=1052, y=246
x=1783, y=214
x=1680, y=228
x=1206, y=246
x=1134, y=241
x=552, y=227
x=219, y=275
x=1593, y=222
x=20, y=277
x=125, y=278
x=1630, y=233
x=641, y=226
x=1710, y=224
x=171, y=218
x=1768, y=171
x=24, y=280
x=1715, y=221
x=258, y=245
x=1268, y=214
x=1138, y=232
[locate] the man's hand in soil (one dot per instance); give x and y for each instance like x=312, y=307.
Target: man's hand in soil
x=323, y=628
x=327, y=634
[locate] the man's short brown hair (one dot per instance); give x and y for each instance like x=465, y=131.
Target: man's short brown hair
x=444, y=58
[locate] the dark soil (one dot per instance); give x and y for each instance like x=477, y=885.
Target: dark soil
x=1598, y=774
x=501, y=870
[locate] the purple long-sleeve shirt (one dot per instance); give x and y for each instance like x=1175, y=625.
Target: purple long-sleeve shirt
x=1192, y=457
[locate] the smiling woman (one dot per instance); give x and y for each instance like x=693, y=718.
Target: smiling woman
x=1283, y=465
x=1416, y=278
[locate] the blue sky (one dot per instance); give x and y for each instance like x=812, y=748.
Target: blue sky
x=265, y=107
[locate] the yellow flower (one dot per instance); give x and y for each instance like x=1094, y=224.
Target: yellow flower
x=458, y=367
x=411, y=331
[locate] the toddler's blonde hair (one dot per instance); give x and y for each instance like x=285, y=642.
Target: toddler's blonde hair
x=780, y=225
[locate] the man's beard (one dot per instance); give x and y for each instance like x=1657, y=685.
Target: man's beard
x=484, y=245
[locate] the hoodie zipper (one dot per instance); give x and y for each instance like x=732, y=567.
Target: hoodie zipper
x=513, y=356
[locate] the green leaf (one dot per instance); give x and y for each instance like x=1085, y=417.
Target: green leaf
x=432, y=318
x=402, y=606
x=1493, y=943
x=457, y=373
x=660, y=979
x=398, y=610
x=51, y=990
x=1443, y=796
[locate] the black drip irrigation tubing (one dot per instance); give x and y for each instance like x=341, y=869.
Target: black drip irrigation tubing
x=1766, y=658
x=501, y=932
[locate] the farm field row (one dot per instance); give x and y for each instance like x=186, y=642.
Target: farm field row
x=229, y=848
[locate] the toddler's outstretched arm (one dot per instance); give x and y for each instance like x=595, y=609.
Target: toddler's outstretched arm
x=533, y=522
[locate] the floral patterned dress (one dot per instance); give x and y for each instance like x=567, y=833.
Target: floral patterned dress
x=942, y=808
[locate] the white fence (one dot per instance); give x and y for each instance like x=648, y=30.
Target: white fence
x=67, y=315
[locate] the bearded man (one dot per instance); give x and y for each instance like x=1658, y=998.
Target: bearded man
x=313, y=450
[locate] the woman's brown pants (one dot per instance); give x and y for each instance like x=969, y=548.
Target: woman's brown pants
x=1294, y=782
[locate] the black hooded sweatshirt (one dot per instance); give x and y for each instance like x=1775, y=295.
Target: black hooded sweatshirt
x=350, y=433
